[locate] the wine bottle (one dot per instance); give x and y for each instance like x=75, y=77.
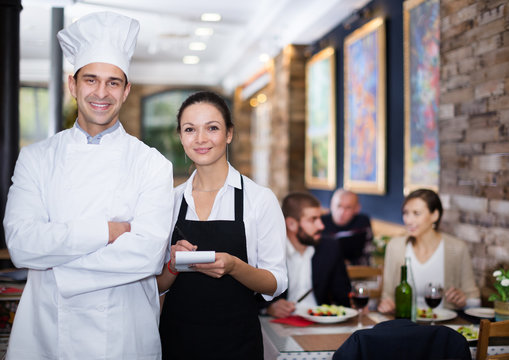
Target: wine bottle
x=403, y=297
x=411, y=282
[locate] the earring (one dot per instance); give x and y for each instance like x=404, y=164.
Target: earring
x=227, y=153
x=185, y=158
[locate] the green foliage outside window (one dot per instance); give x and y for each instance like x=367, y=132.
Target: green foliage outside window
x=33, y=114
x=159, y=124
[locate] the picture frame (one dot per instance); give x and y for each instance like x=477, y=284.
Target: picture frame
x=365, y=109
x=421, y=23
x=320, y=146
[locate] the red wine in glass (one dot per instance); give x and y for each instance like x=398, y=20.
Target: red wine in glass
x=433, y=302
x=360, y=301
x=433, y=296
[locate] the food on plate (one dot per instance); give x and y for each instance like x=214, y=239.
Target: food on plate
x=327, y=310
x=426, y=313
x=468, y=332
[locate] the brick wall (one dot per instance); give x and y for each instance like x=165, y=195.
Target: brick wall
x=474, y=128
x=286, y=95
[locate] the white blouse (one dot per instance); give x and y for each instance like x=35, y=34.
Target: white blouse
x=431, y=271
x=263, y=220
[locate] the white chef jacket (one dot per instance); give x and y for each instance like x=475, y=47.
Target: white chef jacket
x=263, y=221
x=85, y=299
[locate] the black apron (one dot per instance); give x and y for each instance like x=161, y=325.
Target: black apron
x=209, y=318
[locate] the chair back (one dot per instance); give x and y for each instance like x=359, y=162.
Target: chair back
x=488, y=330
x=367, y=273
x=404, y=339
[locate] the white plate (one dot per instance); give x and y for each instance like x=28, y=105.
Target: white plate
x=475, y=328
x=442, y=315
x=349, y=313
x=481, y=312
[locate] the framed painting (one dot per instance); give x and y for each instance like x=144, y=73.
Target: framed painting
x=320, y=159
x=421, y=21
x=364, y=109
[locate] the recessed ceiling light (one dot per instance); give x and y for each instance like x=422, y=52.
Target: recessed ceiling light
x=197, y=46
x=204, y=31
x=210, y=17
x=190, y=59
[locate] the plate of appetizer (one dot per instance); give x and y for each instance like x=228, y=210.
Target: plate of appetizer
x=327, y=314
x=470, y=332
x=435, y=315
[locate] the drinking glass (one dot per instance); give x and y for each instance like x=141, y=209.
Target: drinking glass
x=433, y=297
x=360, y=299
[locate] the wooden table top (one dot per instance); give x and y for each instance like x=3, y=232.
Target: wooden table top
x=316, y=337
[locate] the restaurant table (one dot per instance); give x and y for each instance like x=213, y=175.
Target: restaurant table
x=320, y=341
x=12, y=283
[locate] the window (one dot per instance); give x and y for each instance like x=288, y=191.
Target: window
x=159, y=124
x=33, y=114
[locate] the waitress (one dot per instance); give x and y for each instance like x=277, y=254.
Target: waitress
x=211, y=313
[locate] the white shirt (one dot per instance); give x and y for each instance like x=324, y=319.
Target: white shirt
x=85, y=299
x=431, y=271
x=263, y=220
x=300, y=274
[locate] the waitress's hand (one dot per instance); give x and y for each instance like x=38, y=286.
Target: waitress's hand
x=281, y=308
x=166, y=279
x=456, y=297
x=181, y=245
x=223, y=265
x=386, y=306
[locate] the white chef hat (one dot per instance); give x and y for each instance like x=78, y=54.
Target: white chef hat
x=104, y=37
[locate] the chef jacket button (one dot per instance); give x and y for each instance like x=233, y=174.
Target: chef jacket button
x=100, y=308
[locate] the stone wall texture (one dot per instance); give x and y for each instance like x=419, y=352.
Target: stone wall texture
x=474, y=129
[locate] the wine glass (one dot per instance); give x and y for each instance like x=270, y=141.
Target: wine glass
x=360, y=298
x=433, y=297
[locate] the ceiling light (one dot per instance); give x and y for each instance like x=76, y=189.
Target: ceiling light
x=261, y=98
x=264, y=57
x=190, y=59
x=203, y=31
x=210, y=17
x=253, y=102
x=197, y=46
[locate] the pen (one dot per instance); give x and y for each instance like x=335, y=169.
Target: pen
x=180, y=232
x=184, y=237
x=304, y=296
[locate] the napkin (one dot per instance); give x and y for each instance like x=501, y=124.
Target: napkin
x=10, y=290
x=293, y=320
x=185, y=258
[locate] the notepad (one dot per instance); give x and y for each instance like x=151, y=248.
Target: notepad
x=185, y=258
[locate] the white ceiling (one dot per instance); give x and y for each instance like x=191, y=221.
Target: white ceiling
x=248, y=28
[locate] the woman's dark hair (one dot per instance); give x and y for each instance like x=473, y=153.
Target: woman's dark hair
x=207, y=97
x=432, y=201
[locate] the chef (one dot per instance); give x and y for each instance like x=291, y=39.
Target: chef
x=89, y=214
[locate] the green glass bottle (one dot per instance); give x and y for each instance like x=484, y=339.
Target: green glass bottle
x=403, y=297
